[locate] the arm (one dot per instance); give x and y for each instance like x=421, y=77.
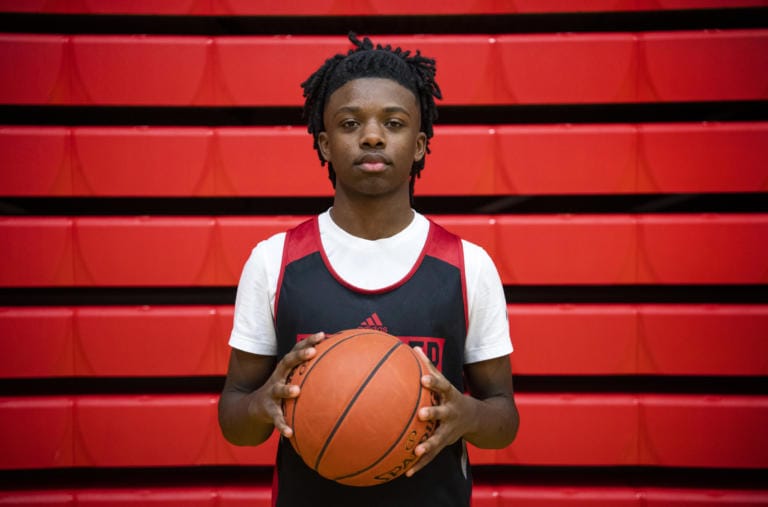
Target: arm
x=250, y=406
x=488, y=418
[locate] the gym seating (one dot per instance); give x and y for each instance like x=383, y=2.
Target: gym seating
x=562, y=429
x=483, y=495
x=523, y=495
x=640, y=339
x=98, y=395
x=549, y=339
x=228, y=70
x=369, y=8
x=504, y=160
x=114, y=341
x=528, y=249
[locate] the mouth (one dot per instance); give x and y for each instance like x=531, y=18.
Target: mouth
x=372, y=162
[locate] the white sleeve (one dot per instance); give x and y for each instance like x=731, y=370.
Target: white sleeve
x=488, y=330
x=253, y=329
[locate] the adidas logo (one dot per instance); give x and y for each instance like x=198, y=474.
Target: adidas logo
x=374, y=322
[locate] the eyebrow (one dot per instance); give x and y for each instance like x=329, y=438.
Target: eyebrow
x=356, y=109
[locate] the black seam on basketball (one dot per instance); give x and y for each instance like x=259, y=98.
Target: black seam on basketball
x=352, y=401
x=405, y=428
x=296, y=400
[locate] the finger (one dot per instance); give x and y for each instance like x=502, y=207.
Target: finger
x=426, y=360
x=302, y=351
x=282, y=390
x=436, y=413
x=423, y=459
x=437, y=383
x=314, y=339
x=434, y=380
x=278, y=420
x=427, y=450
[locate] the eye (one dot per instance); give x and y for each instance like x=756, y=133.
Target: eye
x=349, y=124
x=394, y=123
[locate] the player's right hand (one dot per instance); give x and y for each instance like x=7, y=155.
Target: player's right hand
x=268, y=400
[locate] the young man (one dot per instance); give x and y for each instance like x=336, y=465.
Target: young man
x=372, y=261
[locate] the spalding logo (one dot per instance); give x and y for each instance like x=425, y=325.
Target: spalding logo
x=411, y=441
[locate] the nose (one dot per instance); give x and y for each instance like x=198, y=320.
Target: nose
x=372, y=135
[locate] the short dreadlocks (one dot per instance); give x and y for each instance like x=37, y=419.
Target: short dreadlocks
x=414, y=72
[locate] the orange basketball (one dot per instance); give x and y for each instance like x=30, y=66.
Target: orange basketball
x=355, y=421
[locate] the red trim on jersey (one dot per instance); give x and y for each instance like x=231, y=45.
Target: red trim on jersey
x=304, y=239
x=441, y=245
x=299, y=242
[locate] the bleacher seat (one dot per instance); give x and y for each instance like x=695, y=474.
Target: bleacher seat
x=37, y=342
x=369, y=8
x=39, y=66
x=142, y=161
x=37, y=161
x=602, y=159
x=639, y=339
x=267, y=161
x=38, y=251
x=566, y=68
x=528, y=249
x=569, y=249
x=141, y=70
x=549, y=339
x=701, y=249
x=465, y=160
x=485, y=494
x=691, y=157
x=560, y=429
x=37, y=432
x=712, y=65
x=229, y=70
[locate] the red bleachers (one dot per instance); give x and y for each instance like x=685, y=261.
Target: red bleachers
x=505, y=160
x=691, y=158
x=730, y=65
x=484, y=495
x=549, y=339
x=629, y=249
x=114, y=341
x=570, y=68
x=528, y=249
x=96, y=398
x=561, y=429
x=340, y=8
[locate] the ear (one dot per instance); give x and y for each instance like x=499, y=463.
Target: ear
x=421, y=147
x=322, y=144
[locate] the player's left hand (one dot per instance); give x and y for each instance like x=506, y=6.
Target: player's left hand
x=455, y=414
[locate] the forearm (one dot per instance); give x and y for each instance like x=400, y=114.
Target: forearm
x=492, y=422
x=238, y=423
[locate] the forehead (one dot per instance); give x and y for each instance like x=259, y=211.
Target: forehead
x=372, y=92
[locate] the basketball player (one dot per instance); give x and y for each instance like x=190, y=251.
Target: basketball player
x=372, y=261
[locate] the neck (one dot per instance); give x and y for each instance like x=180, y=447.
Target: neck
x=371, y=220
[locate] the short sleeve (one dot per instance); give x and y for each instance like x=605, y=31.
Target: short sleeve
x=488, y=330
x=253, y=329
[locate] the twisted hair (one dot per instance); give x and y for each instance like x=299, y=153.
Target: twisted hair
x=413, y=71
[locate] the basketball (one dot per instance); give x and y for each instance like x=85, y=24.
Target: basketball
x=355, y=421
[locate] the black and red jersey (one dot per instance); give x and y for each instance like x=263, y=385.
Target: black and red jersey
x=426, y=308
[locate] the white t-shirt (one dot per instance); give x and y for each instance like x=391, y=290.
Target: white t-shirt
x=370, y=265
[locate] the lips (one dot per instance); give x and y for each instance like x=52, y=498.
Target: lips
x=372, y=162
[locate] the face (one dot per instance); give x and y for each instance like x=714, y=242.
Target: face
x=372, y=137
